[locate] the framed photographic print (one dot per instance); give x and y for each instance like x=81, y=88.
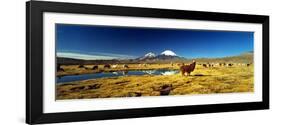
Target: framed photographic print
x=95, y=62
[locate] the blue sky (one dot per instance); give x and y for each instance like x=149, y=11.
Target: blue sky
x=111, y=42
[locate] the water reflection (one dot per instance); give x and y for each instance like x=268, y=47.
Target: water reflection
x=114, y=74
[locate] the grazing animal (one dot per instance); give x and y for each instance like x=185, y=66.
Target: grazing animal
x=125, y=66
x=205, y=65
x=230, y=64
x=217, y=64
x=188, y=68
x=115, y=66
x=106, y=66
x=81, y=66
x=59, y=68
x=95, y=67
x=248, y=64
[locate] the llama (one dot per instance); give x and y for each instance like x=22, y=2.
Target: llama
x=125, y=66
x=115, y=66
x=95, y=67
x=59, y=68
x=205, y=65
x=188, y=68
x=230, y=64
x=81, y=66
x=106, y=66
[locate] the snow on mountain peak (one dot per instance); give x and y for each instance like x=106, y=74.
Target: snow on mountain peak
x=150, y=54
x=168, y=53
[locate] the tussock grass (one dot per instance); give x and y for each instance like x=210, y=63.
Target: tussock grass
x=201, y=81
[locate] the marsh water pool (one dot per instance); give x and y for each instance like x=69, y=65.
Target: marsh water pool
x=72, y=78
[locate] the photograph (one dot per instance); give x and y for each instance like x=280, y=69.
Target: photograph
x=96, y=61
x=89, y=62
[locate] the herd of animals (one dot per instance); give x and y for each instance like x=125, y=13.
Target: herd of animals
x=95, y=67
x=187, y=69
x=184, y=68
x=165, y=89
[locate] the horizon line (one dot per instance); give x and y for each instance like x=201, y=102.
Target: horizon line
x=111, y=56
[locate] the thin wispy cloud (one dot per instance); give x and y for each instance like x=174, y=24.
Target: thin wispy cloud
x=93, y=55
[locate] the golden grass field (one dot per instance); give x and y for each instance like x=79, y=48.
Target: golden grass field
x=201, y=81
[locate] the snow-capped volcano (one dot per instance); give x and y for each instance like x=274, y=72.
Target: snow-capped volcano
x=168, y=53
x=149, y=55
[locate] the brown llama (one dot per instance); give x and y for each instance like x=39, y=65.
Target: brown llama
x=81, y=66
x=95, y=67
x=188, y=68
x=205, y=65
x=125, y=66
x=106, y=66
x=59, y=68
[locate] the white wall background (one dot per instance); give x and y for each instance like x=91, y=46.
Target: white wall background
x=12, y=53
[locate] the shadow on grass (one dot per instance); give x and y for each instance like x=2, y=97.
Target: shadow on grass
x=201, y=75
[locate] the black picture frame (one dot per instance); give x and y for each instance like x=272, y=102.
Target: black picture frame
x=34, y=61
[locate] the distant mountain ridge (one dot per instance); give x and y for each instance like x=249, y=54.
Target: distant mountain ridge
x=246, y=57
x=166, y=56
x=248, y=53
